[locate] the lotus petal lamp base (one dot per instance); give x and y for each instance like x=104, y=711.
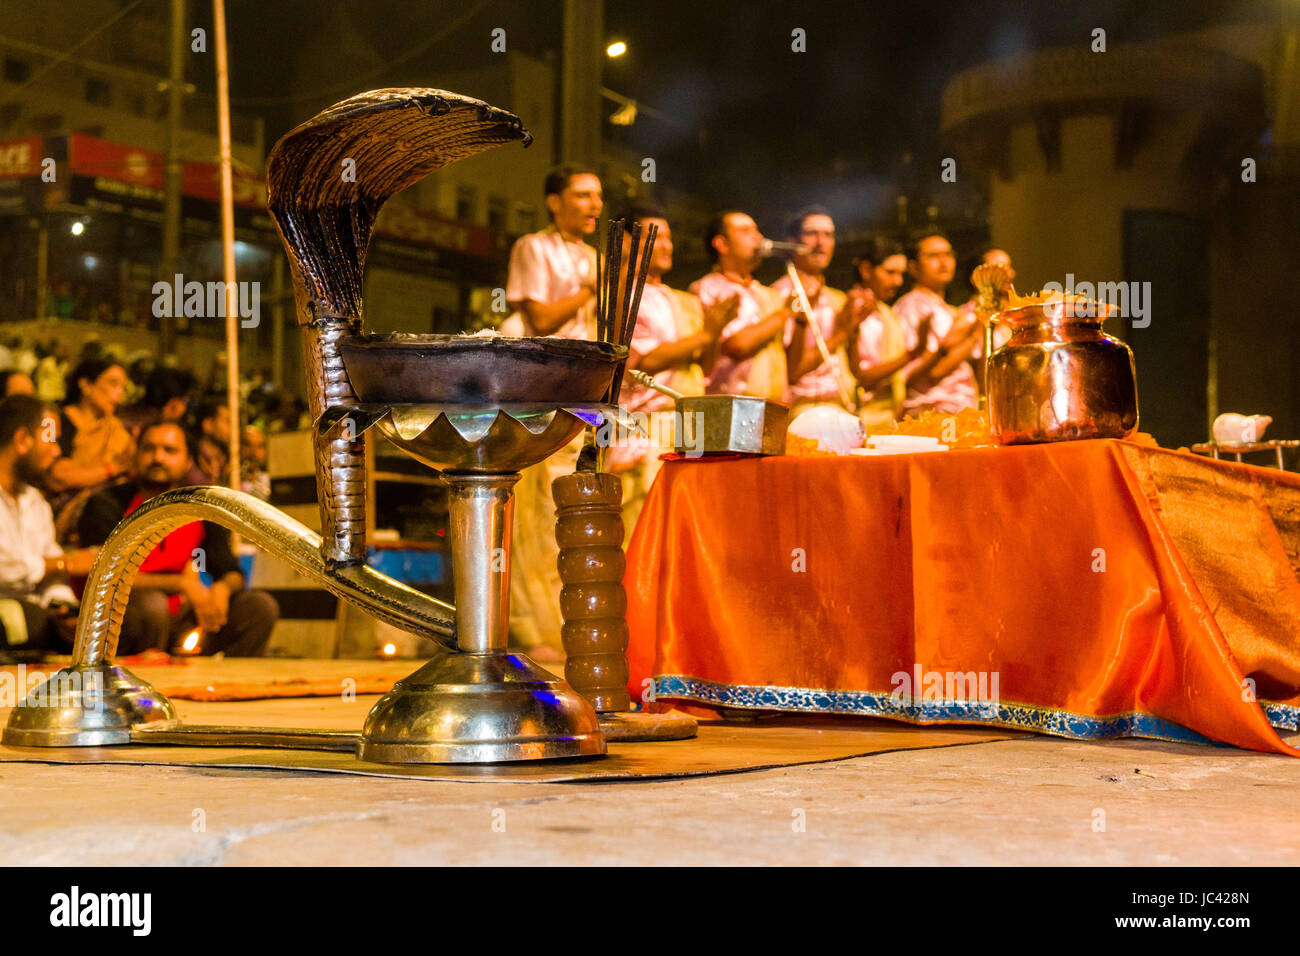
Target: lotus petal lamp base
x=89, y=705
x=480, y=708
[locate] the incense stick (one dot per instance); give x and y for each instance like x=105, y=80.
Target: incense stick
x=613, y=269
x=629, y=281
x=600, y=311
x=652, y=233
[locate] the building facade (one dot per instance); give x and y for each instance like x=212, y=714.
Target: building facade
x=1161, y=166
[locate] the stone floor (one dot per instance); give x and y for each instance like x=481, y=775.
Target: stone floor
x=1034, y=800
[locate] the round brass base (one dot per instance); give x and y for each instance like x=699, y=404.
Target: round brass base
x=480, y=708
x=87, y=706
x=627, y=728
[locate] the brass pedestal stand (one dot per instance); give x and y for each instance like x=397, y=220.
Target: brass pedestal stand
x=476, y=410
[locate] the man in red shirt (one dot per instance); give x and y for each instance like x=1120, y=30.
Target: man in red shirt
x=169, y=598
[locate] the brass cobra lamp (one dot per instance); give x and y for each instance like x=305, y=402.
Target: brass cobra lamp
x=477, y=410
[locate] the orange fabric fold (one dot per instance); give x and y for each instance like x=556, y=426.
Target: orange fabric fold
x=844, y=585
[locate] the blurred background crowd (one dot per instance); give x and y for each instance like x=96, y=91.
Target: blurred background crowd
x=106, y=397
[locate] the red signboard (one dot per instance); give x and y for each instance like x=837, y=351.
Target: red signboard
x=89, y=156
x=20, y=158
x=137, y=174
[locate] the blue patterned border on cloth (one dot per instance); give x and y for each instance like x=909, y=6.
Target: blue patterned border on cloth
x=1281, y=716
x=1058, y=723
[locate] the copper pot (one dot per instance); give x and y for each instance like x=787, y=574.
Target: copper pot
x=1060, y=377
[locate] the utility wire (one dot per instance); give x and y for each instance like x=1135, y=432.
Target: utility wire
x=60, y=58
x=26, y=47
x=241, y=101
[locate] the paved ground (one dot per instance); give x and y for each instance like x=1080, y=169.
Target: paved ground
x=1026, y=801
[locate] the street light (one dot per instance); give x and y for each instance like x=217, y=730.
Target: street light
x=617, y=48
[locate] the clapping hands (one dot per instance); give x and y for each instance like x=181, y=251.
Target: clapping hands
x=719, y=314
x=859, y=304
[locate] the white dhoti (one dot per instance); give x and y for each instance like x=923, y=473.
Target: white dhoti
x=534, y=556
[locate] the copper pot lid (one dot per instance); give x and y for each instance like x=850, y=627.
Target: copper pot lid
x=1055, y=310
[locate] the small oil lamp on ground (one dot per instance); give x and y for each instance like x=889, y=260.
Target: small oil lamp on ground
x=191, y=645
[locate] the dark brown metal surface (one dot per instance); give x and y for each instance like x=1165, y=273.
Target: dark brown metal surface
x=446, y=369
x=326, y=181
x=325, y=208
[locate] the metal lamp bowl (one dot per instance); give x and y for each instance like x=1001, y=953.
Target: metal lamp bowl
x=488, y=440
x=464, y=369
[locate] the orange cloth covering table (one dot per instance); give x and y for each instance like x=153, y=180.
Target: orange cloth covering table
x=1092, y=589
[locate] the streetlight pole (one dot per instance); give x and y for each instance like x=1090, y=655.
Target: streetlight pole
x=228, y=237
x=583, y=57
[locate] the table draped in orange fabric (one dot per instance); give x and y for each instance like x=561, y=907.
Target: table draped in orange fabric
x=1084, y=589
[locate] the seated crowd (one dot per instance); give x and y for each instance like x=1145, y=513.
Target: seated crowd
x=72, y=467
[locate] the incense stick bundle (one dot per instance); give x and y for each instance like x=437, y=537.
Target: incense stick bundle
x=634, y=307
x=609, y=291
x=619, y=288
x=629, y=280
x=652, y=233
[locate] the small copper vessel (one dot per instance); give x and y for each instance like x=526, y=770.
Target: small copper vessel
x=1060, y=377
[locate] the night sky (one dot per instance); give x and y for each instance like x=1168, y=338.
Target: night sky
x=752, y=122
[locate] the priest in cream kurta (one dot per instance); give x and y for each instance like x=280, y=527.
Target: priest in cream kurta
x=814, y=381
x=877, y=350
x=751, y=354
x=552, y=288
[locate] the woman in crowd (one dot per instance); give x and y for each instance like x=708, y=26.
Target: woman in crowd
x=97, y=448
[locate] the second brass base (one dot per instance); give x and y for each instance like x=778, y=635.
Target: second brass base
x=480, y=708
x=90, y=705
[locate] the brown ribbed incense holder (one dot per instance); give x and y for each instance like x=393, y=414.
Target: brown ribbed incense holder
x=589, y=532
